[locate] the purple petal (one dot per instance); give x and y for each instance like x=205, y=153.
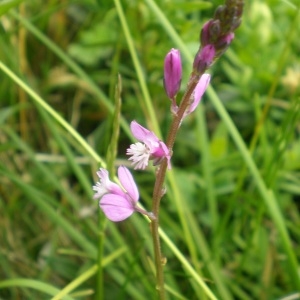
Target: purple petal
x=162, y=152
x=138, y=131
x=105, y=185
x=128, y=183
x=199, y=91
x=144, y=135
x=116, y=208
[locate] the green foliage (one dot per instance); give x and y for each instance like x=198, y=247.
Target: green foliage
x=230, y=217
x=6, y=5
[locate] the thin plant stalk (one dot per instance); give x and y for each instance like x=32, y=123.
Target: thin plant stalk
x=158, y=187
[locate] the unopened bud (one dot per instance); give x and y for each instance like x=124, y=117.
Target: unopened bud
x=223, y=43
x=229, y=15
x=235, y=24
x=172, y=73
x=204, y=58
x=220, y=12
x=210, y=32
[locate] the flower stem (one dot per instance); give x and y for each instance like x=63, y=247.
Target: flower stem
x=158, y=260
x=158, y=187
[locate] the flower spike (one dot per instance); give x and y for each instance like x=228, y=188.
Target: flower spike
x=217, y=34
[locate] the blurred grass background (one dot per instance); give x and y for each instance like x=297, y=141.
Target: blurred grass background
x=67, y=55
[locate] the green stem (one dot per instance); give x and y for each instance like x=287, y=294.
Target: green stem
x=99, y=295
x=158, y=259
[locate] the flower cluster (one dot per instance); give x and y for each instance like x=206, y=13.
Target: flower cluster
x=217, y=34
x=119, y=201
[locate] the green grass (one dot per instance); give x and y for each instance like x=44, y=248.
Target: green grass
x=230, y=219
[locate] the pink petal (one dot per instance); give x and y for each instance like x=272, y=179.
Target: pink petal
x=138, y=131
x=128, y=183
x=106, y=184
x=116, y=208
x=161, y=150
x=199, y=91
x=160, y=153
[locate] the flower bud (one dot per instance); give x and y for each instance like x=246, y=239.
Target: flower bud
x=220, y=12
x=229, y=15
x=204, y=58
x=223, y=43
x=205, y=33
x=235, y=24
x=210, y=32
x=172, y=73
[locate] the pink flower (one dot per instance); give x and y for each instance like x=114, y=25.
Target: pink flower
x=198, y=93
x=172, y=73
x=117, y=202
x=150, y=148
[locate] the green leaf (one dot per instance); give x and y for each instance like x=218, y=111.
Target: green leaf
x=219, y=143
x=33, y=284
x=6, y=5
x=192, y=6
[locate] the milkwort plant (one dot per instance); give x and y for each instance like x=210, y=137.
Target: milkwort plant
x=120, y=201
